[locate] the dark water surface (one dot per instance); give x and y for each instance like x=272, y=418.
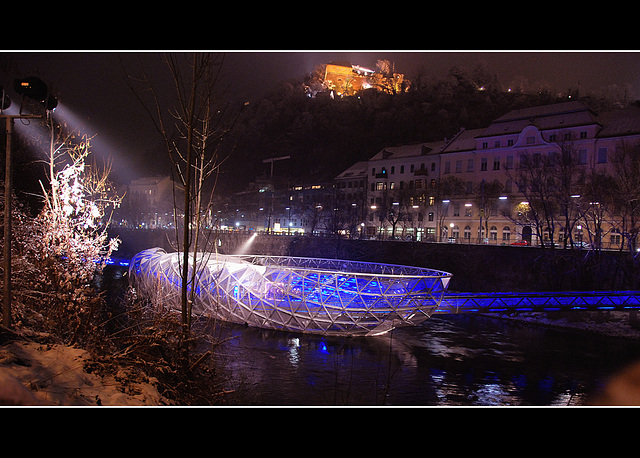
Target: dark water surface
x=450, y=360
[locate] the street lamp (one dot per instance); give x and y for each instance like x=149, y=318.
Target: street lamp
x=32, y=88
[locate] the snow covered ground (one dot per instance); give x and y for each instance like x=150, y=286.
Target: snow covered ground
x=34, y=374
x=37, y=374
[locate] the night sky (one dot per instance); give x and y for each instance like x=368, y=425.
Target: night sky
x=91, y=85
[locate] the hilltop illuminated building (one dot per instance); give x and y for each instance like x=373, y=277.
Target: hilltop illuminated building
x=344, y=79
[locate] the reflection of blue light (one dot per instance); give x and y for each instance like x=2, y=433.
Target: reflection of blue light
x=520, y=381
x=323, y=348
x=119, y=262
x=546, y=384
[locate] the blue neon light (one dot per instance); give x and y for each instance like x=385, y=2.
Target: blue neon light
x=455, y=302
x=340, y=297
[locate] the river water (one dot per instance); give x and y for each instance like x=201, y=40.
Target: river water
x=449, y=360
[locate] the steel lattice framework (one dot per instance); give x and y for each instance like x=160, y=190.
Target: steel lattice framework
x=325, y=296
x=538, y=301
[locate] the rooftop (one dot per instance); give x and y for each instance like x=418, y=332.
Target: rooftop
x=416, y=149
x=620, y=122
x=545, y=117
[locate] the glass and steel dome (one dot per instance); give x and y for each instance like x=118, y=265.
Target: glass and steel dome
x=321, y=296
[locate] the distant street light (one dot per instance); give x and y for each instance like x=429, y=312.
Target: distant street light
x=32, y=88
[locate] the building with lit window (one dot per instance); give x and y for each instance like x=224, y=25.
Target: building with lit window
x=149, y=203
x=278, y=208
x=403, y=191
x=533, y=176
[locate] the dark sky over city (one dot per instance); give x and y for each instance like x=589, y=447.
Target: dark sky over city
x=91, y=85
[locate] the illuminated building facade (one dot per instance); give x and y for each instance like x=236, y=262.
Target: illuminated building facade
x=290, y=209
x=149, y=203
x=345, y=79
x=403, y=191
x=476, y=187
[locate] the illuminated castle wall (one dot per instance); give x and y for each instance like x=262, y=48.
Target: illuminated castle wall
x=346, y=79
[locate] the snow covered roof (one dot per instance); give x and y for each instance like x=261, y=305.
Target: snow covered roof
x=465, y=140
x=416, y=149
x=357, y=170
x=620, y=122
x=545, y=117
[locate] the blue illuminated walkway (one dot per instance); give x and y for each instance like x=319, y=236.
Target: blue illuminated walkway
x=454, y=302
x=457, y=302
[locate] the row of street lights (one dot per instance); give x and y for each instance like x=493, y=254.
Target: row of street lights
x=35, y=89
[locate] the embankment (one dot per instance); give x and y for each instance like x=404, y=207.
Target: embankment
x=474, y=267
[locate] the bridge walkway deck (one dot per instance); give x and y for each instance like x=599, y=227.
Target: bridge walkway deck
x=457, y=302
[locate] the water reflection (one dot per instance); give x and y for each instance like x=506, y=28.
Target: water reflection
x=449, y=360
x=446, y=361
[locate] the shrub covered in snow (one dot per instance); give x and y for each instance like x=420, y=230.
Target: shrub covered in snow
x=56, y=254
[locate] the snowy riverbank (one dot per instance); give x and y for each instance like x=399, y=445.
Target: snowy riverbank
x=33, y=373
x=608, y=323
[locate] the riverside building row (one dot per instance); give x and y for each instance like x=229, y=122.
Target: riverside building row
x=484, y=185
x=521, y=180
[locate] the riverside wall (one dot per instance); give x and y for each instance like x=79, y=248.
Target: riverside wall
x=475, y=268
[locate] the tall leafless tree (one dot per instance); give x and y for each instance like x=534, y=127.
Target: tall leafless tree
x=193, y=125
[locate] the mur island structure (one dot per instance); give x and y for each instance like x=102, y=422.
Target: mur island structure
x=309, y=295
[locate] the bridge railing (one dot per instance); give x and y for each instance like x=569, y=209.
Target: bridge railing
x=456, y=302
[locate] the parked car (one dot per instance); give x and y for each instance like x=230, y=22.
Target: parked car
x=520, y=243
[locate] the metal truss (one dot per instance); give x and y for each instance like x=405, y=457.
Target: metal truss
x=538, y=301
x=333, y=296
x=323, y=296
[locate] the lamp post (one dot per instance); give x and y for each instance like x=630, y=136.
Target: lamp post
x=6, y=252
x=32, y=88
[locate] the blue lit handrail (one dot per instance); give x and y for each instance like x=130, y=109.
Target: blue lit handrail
x=464, y=302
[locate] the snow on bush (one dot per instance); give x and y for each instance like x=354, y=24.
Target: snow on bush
x=57, y=254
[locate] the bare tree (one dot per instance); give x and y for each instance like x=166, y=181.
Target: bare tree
x=193, y=129
x=626, y=174
x=487, y=194
x=60, y=250
x=443, y=191
x=566, y=175
x=595, y=207
x=536, y=183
